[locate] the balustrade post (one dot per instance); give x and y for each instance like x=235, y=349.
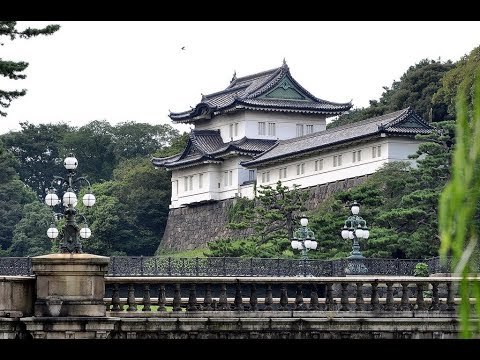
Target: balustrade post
x=344, y=297
x=192, y=299
x=116, y=298
x=196, y=267
x=253, y=297
x=389, y=300
x=283, y=298
x=420, y=304
x=222, y=300
x=161, y=298
x=299, y=299
x=374, y=298
x=435, y=300
x=329, y=297
x=131, y=298
x=169, y=268
x=177, y=298
x=405, y=302
x=450, y=297
x=238, y=297
x=141, y=265
x=268, y=298
x=207, y=301
x=146, y=298
x=359, y=302
x=314, y=298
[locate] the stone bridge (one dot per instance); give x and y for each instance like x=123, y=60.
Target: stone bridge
x=70, y=297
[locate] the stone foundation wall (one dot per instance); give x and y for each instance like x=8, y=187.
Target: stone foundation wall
x=192, y=227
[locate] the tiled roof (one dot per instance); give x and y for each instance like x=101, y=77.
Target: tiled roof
x=404, y=121
x=207, y=145
x=244, y=93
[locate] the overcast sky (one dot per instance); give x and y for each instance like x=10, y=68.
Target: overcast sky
x=122, y=71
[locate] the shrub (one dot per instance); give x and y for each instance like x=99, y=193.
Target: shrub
x=421, y=270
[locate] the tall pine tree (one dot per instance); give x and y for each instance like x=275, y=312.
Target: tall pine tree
x=13, y=69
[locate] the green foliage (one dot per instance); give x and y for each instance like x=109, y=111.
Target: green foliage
x=39, y=153
x=421, y=270
x=271, y=215
x=463, y=76
x=416, y=88
x=459, y=203
x=29, y=237
x=14, y=195
x=13, y=69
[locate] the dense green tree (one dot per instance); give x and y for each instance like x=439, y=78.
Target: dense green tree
x=13, y=196
x=39, y=152
x=13, y=69
x=30, y=234
x=271, y=215
x=93, y=146
x=132, y=139
x=145, y=192
x=415, y=88
x=110, y=221
x=462, y=76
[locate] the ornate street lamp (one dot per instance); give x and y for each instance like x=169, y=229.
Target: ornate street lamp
x=71, y=232
x=304, y=239
x=355, y=228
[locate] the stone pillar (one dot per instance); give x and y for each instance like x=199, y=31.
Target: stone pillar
x=70, y=284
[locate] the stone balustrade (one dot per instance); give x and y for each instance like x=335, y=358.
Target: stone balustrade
x=391, y=295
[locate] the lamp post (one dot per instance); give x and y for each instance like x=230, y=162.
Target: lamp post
x=71, y=232
x=355, y=228
x=304, y=239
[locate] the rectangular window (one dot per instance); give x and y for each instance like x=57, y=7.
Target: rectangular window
x=339, y=160
x=353, y=156
x=334, y=160
x=271, y=129
x=285, y=172
x=298, y=169
x=176, y=186
x=200, y=181
x=261, y=128
x=374, y=152
x=185, y=183
x=280, y=173
x=302, y=168
x=318, y=165
x=379, y=150
x=359, y=155
x=236, y=129
x=225, y=178
x=268, y=176
x=230, y=177
x=263, y=177
x=230, y=130
x=299, y=130
x=251, y=175
x=309, y=129
x=191, y=182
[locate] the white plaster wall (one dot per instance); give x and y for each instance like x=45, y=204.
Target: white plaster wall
x=222, y=122
x=214, y=187
x=248, y=124
x=391, y=150
x=286, y=124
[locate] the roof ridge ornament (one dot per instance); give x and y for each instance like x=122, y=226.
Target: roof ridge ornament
x=234, y=77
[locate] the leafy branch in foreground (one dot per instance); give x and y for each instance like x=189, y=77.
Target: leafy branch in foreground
x=458, y=210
